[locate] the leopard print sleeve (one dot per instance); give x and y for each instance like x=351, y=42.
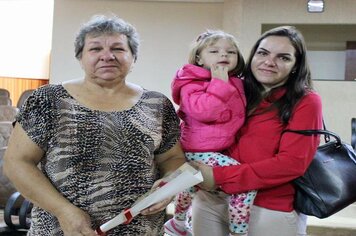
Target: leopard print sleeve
x=37, y=116
x=170, y=126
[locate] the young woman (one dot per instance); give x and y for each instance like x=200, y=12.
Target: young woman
x=279, y=96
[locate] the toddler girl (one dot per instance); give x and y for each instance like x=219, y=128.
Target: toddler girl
x=212, y=104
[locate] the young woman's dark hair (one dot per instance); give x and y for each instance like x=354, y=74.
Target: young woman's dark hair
x=299, y=80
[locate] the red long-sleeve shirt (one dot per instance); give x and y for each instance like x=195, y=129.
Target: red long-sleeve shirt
x=270, y=160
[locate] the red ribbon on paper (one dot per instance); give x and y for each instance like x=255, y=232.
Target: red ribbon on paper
x=99, y=232
x=128, y=215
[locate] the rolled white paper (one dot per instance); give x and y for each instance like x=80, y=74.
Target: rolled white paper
x=184, y=177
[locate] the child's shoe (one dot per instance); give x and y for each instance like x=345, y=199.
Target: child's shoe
x=173, y=229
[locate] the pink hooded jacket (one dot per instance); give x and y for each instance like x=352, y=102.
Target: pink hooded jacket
x=211, y=109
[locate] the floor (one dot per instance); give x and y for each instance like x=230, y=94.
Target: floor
x=322, y=231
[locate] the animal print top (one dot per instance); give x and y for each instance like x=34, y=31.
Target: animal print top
x=100, y=161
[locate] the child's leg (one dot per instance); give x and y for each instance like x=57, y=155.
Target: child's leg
x=239, y=212
x=184, y=199
x=211, y=158
x=182, y=203
x=239, y=204
x=177, y=225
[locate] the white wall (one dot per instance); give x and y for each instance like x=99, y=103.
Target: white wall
x=166, y=31
x=327, y=65
x=338, y=97
x=250, y=15
x=168, y=27
x=339, y=105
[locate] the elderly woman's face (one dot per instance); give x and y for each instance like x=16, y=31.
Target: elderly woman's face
x=106, y=57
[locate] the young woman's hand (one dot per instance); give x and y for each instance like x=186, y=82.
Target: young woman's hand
x=207, y=171
x=219, y=72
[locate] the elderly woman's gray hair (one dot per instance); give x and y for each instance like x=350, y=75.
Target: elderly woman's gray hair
x=101, y=25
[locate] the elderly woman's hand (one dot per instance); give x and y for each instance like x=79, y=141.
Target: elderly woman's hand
x=160, y=206
x=75, y=221
x=207, y=171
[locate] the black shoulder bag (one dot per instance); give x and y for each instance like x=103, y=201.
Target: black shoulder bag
x=329, y=183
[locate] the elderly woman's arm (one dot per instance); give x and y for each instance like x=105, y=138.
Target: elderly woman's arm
x=171, y=160
x=167, y=163
x=20, y=166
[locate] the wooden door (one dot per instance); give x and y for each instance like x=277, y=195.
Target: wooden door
x=350, y=70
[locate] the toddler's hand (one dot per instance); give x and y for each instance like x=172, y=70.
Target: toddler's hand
x=220, y=72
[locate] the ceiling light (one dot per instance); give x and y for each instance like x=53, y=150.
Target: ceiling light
x=315, y=5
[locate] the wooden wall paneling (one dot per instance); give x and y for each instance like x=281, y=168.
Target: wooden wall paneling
x=350, y=70
x=17, y=85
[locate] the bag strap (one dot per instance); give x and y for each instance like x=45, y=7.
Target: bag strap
x=353, y=133
x=326, y=137
x=310, y=132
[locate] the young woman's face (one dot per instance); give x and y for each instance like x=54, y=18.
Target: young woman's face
x=106, y=57
x=221, y=53
x=273, y=61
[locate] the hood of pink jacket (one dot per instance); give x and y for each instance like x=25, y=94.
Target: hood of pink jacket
x=185, y=75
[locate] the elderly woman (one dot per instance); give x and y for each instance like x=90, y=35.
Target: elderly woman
x=85, y=150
